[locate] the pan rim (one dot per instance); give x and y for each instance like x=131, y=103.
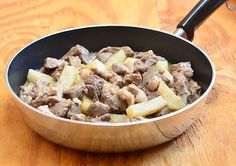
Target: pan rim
x=109, y=124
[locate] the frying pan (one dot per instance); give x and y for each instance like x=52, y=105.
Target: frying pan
x=120, y=137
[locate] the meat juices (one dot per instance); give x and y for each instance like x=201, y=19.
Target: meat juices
x=107, y=92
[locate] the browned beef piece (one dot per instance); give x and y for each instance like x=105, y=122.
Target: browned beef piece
x=61, y=108
x=57, y=73
x=94, y=85
x=102, y=118
x=93, y=92
x=41, y=92
x=181, y=85
x=80, y=117
x=26, y=93
x=52, y=100
x=116, y=104
x=52, y=63
x=193, y=87
x=148, y=75
x=81, y=52
x=109, y=49
x=76, y=91
x=140, y=95
x=140, y=66
x=134, y=78
x=125, y=95
x=127, y=50
x=98, y=109
x=140, y=55
x=74, y=61
x=149, y=60
x=182, y=67
x=120, y=69
x=103, y=56
x=146, y=54
x=105, y=117
x=153, y=83
x=150, y=94
x=146, y=60
x=73, y=109
x=102, y=73
x=117, y=80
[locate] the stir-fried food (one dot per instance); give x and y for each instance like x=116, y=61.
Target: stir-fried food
x=115, y=84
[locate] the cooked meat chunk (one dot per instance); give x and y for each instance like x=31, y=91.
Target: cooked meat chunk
x=117, y=80
x=110, y=98
x=116, y=104
x=102, y=118
x=52, y=100
x=127, y=50
x=139, y=94
x=148, y=75
x=74, y=61
x=153, y=83
x=26, y=93
x=76, y=91
x=104, y=74
x=52, y=63
x=80, y=117
x=56, y=74
x=45, y=109
x=81, y=52
x=120, y=69
x=105, y=95
x=182, y=67
x=163, y=78
x=109, y=49
x=140, y=66
x=93, y=92
x=134, y=78
x=181, y=85
x=124, y=94
x=94, y=85
x=61, y=108
x=105, y=117
x=150, y=94
x=193, y=87
x=150, y=60
x=114, y=89
x=95, y=80
x=73, y=109
x=140, y=55
x=103, y=56
x=42, y=92
x=98, y=109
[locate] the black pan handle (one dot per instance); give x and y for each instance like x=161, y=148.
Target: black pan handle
x=196, y=17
